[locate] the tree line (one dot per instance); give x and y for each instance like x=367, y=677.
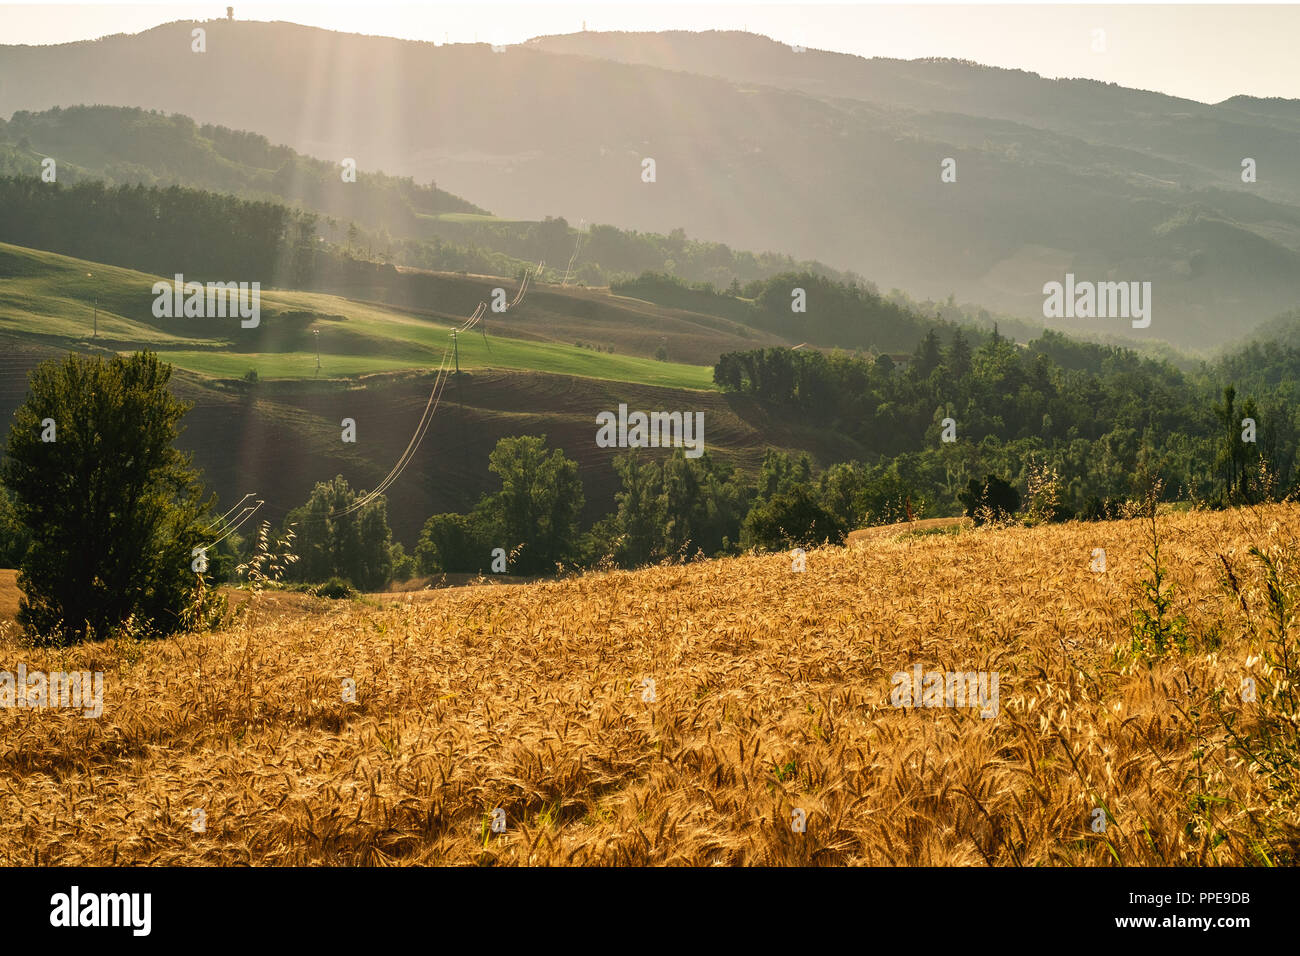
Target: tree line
x=806, y=306
x=1102, y=418
x=108, y=523
x=161, y=230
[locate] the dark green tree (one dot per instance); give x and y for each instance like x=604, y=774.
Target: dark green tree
x=927, y=355
x=13, y=535
x=636, y=528
x=792, y=517
x=539, y=503
x=992, y=499
x=1229, y=460
x=457, y=544
x=958, y=357
x=337, y=539
x=114, y=511
x=780, y=471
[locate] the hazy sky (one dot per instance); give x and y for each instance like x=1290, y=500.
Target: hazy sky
x=1205, y=52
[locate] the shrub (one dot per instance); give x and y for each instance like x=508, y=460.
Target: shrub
x=793, y=517
x=335, y=589
x=992, y=500
x=1156, y=628
x=1098, y=509
x=455, y=544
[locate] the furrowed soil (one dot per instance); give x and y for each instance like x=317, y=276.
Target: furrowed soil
x=771, y=694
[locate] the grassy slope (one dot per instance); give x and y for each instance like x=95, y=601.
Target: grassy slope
x=49, y=297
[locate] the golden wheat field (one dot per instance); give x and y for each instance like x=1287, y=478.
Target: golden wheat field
x=771, y=695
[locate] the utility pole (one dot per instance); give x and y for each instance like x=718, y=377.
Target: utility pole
x=455, y=345
x=316, y=334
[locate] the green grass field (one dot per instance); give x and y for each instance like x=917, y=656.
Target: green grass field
x=505, y=354
x=466, y=217
x=52, y=298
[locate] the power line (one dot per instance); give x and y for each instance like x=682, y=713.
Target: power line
x=576, y=246
x=215, y=524
x=435, y=396
x=244, y=516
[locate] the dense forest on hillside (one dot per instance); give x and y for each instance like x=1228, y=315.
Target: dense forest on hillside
x=390, y=218
x=599, y=254
x=161, y=230
x=133, y=146
x=1102, y=419
x=849, y=315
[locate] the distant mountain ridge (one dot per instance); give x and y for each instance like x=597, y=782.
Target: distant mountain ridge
x=1187, y=132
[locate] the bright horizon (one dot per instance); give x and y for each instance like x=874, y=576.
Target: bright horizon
x=1199, y=51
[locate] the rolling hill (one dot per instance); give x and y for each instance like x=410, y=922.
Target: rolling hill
x=387, y=217
x=828, y=157
x=281, y=434
x=55, y=298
